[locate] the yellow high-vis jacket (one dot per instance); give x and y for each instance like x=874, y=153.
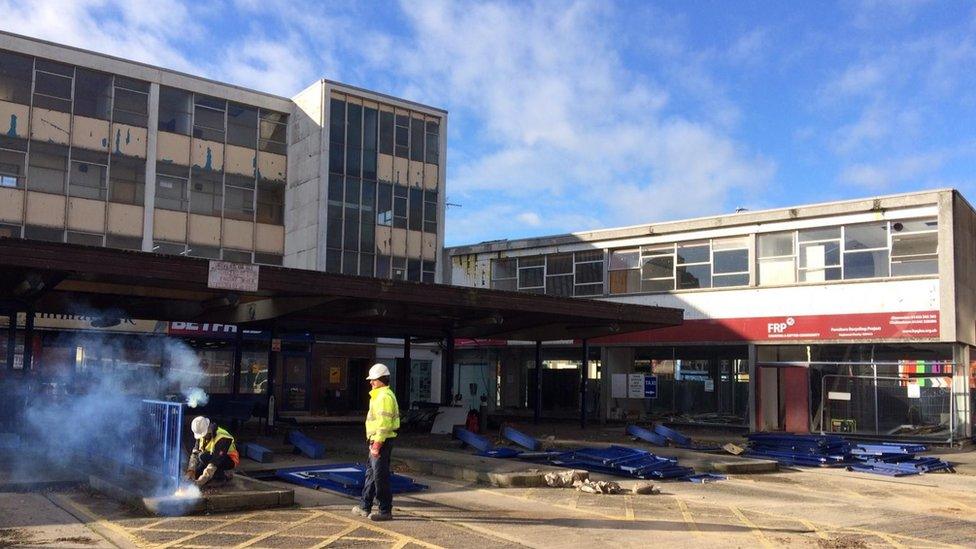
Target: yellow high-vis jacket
x=383, y=418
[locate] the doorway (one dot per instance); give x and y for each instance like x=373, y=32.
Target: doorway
x=295, y=382
x=783, y=399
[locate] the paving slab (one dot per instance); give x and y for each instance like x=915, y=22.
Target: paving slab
x=33, y=520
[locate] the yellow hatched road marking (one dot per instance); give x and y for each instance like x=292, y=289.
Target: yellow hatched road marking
x=688, y=518
x=347, y=530
x=837, y=528
x=291, y=525
x=395, y=535
x=752, y=527
x=811, y=526
x=98, y=519
x=209, y=530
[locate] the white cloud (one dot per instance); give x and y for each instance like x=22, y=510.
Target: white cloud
x=890, y=172
x=531, y=219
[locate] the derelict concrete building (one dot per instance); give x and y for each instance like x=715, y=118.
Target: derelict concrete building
x=856, y=316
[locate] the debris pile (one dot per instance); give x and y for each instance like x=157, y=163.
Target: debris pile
x=807, y=450
x=622, y=461
x=886, y=458
x=581, y=481
x=896, y=460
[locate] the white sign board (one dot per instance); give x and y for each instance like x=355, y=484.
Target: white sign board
x=837, y=395
x=709, y=386
x=618, y=386
x=914, y=390
x=635, y=385
x=240, y=277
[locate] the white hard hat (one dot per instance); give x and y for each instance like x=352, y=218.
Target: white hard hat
x=377, y=371
x=200, y=426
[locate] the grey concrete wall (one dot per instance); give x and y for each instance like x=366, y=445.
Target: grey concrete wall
x=963, y=261
x=305, y=187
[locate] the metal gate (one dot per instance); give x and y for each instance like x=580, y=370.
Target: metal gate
x=160, y=435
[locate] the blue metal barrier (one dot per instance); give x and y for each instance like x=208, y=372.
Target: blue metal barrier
x=160, y=434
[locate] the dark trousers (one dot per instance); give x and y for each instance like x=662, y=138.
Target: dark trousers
x=377, y=485
x=222, y=463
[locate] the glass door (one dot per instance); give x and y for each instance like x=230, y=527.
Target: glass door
x=295, y=382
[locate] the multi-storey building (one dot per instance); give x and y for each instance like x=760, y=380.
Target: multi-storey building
x=854, y=316
x=101, y=151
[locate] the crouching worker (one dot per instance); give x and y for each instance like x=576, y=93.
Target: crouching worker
x=382, y=422
x=214, y=455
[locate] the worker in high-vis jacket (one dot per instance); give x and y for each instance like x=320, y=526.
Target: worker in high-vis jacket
x=214, y=454
x=382, y=422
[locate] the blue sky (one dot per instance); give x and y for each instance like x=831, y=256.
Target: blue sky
x=567, y=116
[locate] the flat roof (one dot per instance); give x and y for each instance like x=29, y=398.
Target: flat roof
x=821, y=209
x=60, y=278
x=86, y=58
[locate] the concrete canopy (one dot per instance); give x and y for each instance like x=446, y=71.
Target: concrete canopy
x=70, y=279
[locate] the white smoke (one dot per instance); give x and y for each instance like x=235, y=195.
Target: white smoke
x=196, y=397
x=90, y=411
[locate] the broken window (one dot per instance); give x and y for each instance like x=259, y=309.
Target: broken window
x=625, y=276
x=504, y=273
x=273, y=132
x=48, y=168
x=239, y=197
x=237, y=256
x=171, y=193
x=386, y=132
x=914, y=247
x=433, y=142
x=131, y=103
x=354, y=139
x=400, y=207
x=93, y=94
x=209, y=118
x=819, y=254
x=52, y=85
x=242, y=125
x=369, y=143
x=430, y=212
x=175, y=110
x=415, y=220
x=15, y=78
x=206, y=192
x=87, y=178
x=402, y=137
x=127, y=180
x=271, y=203
x=417, y=139
x=384, y=204
x=12, y=168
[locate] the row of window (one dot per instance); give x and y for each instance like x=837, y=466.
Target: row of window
x=366, y=263
x=867, y=250
x=357, y=133
x=201, y=191
x=50, y=234
x=564, y=274
x=58, y=169
x=221, y=121
x=212, y=252
x=59, y=87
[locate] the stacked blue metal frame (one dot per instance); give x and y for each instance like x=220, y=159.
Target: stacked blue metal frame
x=808, y=450
x=345, y=478
x=622, y=461
x=518, y=437
x=883, y=458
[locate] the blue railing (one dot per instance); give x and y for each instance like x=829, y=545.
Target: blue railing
x=160, y=433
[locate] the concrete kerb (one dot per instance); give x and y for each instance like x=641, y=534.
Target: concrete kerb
x=250, y=494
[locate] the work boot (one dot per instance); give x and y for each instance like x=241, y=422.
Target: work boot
x=360, y=512
x=380, y=517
